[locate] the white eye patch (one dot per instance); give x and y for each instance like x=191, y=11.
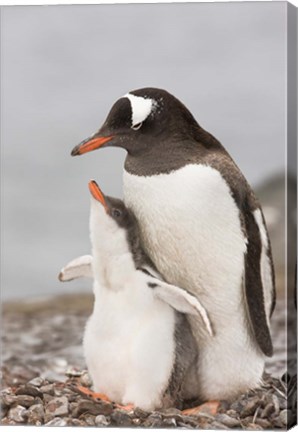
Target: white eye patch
x=141, y=108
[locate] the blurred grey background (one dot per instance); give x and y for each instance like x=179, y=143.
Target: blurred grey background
x=62, y=69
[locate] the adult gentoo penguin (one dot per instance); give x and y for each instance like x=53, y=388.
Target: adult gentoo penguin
x=203, y=228
x=139, y=350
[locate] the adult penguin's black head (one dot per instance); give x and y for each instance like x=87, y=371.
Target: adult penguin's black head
x=142, y=119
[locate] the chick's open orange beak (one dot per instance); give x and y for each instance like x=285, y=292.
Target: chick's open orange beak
x=90, y=144
x=97, y=193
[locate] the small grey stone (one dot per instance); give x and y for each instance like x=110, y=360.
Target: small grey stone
x=275, y=402
x=58, y=407
x=6, y=391
x=140, y=413
x=37, y=381
x=246, y=420
x=190, y=420
x=72, y=397
x=223, y=406
x=36, y=414
x=57, y=422
x=254, y=426
x=268, y=410
x=169, y=422
x=47, y=398
x=285, y=417
x=207, y=425
x=3, y=411
x=94, y=408
x=176, y=417
x=73, y=372
x=7, y=422
x=73, y=406
x=7, y=400
x=85, y=379
x=67, y=391
x=218, y=425
x=250, y=407
x=136, y=422
x=121, y=418
x=227, y=420
x=156, y=415
x=76, y=422
x=89, y=419
x=37, y=400
x=205, y=416
x=24, y=400
x=265, y=424
x=53, y=376
x=231, y=413
x=182, y=425
x=153, y=421
x=48, y=388
x=48, y=417
x=58, y=392
x=283, y=404
x=17, y=414
x=29, y=390
x=170, y=411
x=102, y=420
x=262, y=400
x=237, y=406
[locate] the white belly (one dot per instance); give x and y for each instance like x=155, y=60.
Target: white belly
x=129, y=345
x=191, y=229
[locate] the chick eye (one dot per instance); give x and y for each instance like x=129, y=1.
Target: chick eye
x=137, y=126
x=116, y=213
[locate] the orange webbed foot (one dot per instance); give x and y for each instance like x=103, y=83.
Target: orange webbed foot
x=128, y=407
x=209, y=407
x=92, y=394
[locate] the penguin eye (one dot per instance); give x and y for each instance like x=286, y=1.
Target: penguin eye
x=137, y=126
x=116, y=213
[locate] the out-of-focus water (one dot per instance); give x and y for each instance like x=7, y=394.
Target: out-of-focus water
x=62, y=69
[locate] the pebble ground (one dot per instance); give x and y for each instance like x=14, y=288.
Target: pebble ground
x=42, y=364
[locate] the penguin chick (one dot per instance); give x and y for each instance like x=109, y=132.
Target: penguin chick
x=138, y=349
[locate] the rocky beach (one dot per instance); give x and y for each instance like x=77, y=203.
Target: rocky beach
x=43, y=367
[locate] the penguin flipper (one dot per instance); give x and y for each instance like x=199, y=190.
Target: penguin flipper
x=77, y=268
x=179, y=299
x=259, y=279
